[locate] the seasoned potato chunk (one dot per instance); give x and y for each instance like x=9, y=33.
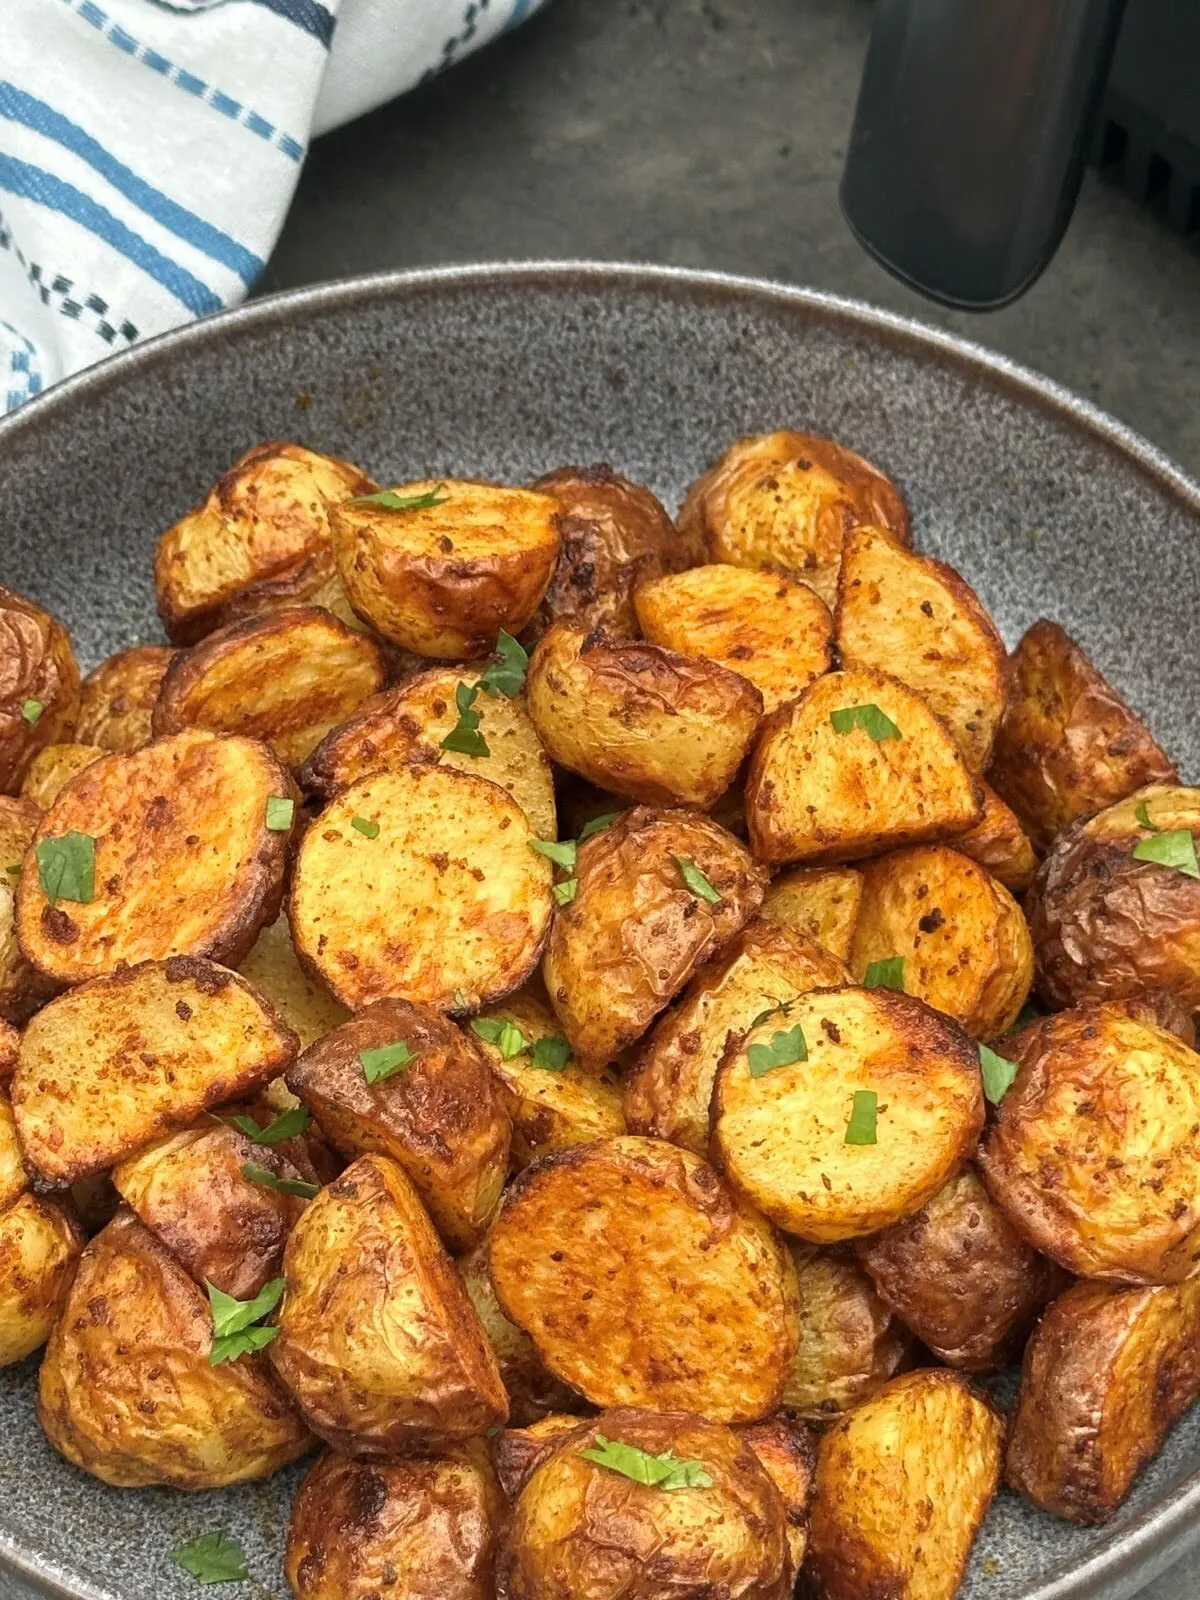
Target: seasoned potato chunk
x=443, y=570
x=1068, y=745
x=13, y=1176
x=532, y=1391
x=127, y=1390
x=1092, y=1153
x=40, y=1242
x=850, y=1343
x=39, y=686
x=265, y=520
x=10, y=1040
x=642, y=1282
x=53, y=768
x=22, y=987
x=378, y=1341
x=436, y=897
x=915, y=618
x=636, y=929
x=109, y=1066
x=998, y=843
x=766, y=627
x=901, y=1486
x=670, y=1088
x=519, y=1452
x=819, y=902
x=785, y=1451
x=1106, y=1374
x=420, y=1530
x=960, y=934
x=286, y=678
x=116, y=699
x=853, y=1121
x=788, y=500
x=648, y=723
x=858, y=765
x=304, y=1004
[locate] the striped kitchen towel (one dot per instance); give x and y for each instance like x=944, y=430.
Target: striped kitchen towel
x=149, y=150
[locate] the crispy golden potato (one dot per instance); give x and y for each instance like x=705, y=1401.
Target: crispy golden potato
x=442, y=575
x=286, y=678
x=963, y=1280
x=53, y=768
x=635, y=932
x=39, y=686
x=1161, y=1008
x=409, y=724
x=785, y=1451
x=821, y=903
x=641, y=1281
x=40, y=1242
x=10, y=1041
x=127, y=1390
x=533, y=1392
x=1068, y=745
x=22, y=987
x=1106, y=1374
x=265, y=520
x=648, y=723
x=117, y=698
x=787, y=501
x=998, y=843
x=669, y=1091
x=901, y=1487
x=417, y=1530
x=1105, y=924
x=961, y=935
x=13, y=1176
x=850, y=1343
x=761, y=625
x=519, y=1452
x=114, y=1063
x=782, y=1138
x=577, y=1522
x=304, y=1004
x=1092, y=1152
x=445, y=904
x=378, y=1341
x=915, y=618
x=815, y=793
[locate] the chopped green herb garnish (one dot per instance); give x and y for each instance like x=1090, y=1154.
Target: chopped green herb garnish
x=465, y=736
x=31, y=710
x=551, y=1053
x=285, y=1126
x=885, y=974
x=998, y=1074
x=564, y=892
x=1175, y=848
x=696, y=881
x=665, y=1471
x=861, y=1127
x=15, y=870
x=598, y=824
x=266, y=1179
x=784, y=1006
x=506, y=673
x=391, y=501
x=67, y=868
x=281, y=813
x=503, y=1033
x=234, y=1330
x=785, y=1049
x=385, y=1061
x=869, y=718
x=562, y=853
x=364, y=825
x=1028, y=1013
x=1143, y=816
x=212, y=1558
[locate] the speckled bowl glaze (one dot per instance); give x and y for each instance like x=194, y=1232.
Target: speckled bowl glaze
x=1047, y=506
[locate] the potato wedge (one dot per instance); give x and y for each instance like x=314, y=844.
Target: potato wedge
x=1106, y=1374
x=378, y=1341
x=127, y=1391
x=786, y=1453
x=998, y=843
x=825, y=790
x=442, y=573
x=53, y=768
x=184, y=859
x=1068, y=745
x=765, y=627
x=960, y=934
x=40, y=1242
x=901, y=1487
x=304, y=1004
x=114, y=1063
x=22, y=987
x=286, y=678
x=445, y=904
x=116, y=699
x=850, y=1343
x=265, y=519
x=787, y=501
x=669, y=1090
x=39, y=686
x=533, y=1392
x=1092, y=1153
x=819, y=902
x=638, y=720
x=13, y=1176
x=880, y=1104
x=635, y=931
x=641, y=1281
x=519, y=1452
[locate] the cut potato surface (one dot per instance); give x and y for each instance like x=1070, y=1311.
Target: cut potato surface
x=793, y=1141
x=830, y=781
x=40, y=1242
x=111, y=1065
x=998, y=843
x=785, y=1451
x=13, y=1176
x=22, y=987
x=445, y=904
x=39, y=686
x=819, y=902
x=10, y=1040
x=532, y=1391
x=53, y=768
x=642, y=1282
x=116, y=699
x=304, y=1004
x=850, y=1343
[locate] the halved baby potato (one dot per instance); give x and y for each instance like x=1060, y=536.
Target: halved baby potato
x=533, y=1392
x=304, y=1004
x=22, y=987
x=998, y=842
x=53, y=768
x=785, y=1451
x=10, y=1041
x=858, y=765
x=39, y=686
x=116, y=699
x=819, y=902
x=40, y=1242
x=13, y=1176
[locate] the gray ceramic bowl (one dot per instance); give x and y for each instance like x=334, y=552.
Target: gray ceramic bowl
x=1048, y=507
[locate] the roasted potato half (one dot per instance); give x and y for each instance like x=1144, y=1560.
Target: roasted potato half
x=53, y=768
x=998, y=843
x=639, y=720
x=13, y=1175
x=114, y=1063
x=819, y=902
x=39, y=686
x=901, y=1487
x=274, y=970
x=533, y=1392
x=669, y=1090
x=40, y=1242
x=787, y=501
x=116, y=699
x=420, y=883
x=22, y=987
x=785, y=1451
x=637, y=929
x=1068, y=745
x=641, y=1281
x=10, y=1041
x=440, y=568
x=519, y=1452
x=850, y=1343
x=856, y=766
x=846, y=1112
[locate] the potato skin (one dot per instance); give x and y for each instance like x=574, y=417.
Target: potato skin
x=850, y=1343
x=126, y=1389
x=533, y=1392
x=421, y=1529
x=9, y=1042
x=634, y=933
x=116, y=699
x=998, y=843
x=785, y=1451
x=819, y=902
x=36, y=663
x=53, y=768
x=1068, y=745
x=22, y=987
x=40, y=1242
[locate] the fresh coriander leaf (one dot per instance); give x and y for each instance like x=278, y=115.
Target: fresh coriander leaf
x=232, y=1345
x=551, y=1053
x=281, y=813
x=364, y=825
x=385, y=1061
x=391, y=501
x=869, y=718
x=465, y=736
x=598, y=824
x=665, y=1471
x=67, y=867
x=784, y=1050
x=212, y=1558
x=31, y=710
x=1143, y=816
x=565, y=892
x=1028, y=1013
x=285, y=1126
x=861, y=1127
x=503, y=1033
x=784, y=1006
x=496, y=1428
x=1175, y=848
x=266, y=1179
x=234, y=1316
x=15, y=870
x=998, y=1074
x=562, y=854
x=506, y=673
x=696, y=881
x=885, y=974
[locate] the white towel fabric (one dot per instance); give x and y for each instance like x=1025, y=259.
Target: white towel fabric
x=149, y=150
